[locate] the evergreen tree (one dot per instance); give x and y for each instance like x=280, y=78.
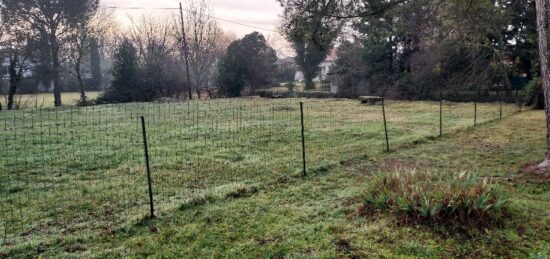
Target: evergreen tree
x=248, y=64
x=95, y=64
x=125, y=75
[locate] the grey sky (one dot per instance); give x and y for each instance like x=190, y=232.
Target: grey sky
x=258, y=13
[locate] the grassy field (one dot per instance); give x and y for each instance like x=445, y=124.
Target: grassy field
x=226, y=175
x=44, y=100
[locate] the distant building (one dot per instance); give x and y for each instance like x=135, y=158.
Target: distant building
x=325, y=68
x=299, y=76
x=27, y=72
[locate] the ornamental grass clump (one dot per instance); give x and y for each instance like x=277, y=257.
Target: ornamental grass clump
x=436, y=197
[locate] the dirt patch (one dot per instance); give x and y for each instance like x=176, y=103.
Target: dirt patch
x=343, y=245
x=396, y=164
x=536, y=174
x=243, y=192
x=76, y=248
x=486, y=147
x=267, y=240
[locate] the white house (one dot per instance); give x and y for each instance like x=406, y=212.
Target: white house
x=325, y=68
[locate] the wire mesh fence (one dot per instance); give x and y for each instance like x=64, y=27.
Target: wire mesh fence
x=81, y=171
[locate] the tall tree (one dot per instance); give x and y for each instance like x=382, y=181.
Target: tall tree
x=204, y=38
x=80, y=42
x=16, y=47
x=156, y=46
x=312, y=36
x=521, y=36
x=125, y=74
x=51, y=20
x=543, y=34
x=416, y=47
x=95, y=64
x=248, y=65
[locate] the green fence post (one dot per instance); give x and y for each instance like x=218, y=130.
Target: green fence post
x=385, y=124
x=149, y=181
x=475, y=108
x=441, y=113
x=304, y=171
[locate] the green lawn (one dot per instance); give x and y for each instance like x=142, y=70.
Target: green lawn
x=226, y=179
x=46, y=100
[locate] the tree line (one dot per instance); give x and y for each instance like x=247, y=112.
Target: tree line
x=415, y=48
x=149, y=63
x=51, y=38
x=187, y=56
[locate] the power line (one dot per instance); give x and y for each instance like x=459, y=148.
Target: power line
x=189, y=11
x=140, y=8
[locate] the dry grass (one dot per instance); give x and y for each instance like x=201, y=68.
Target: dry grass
x=428, y=196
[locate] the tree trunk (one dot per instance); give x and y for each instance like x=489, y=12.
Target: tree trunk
x=13, y=81
x=542, y=28
x=308, y=81
x=56, y=64
x=209, y=91
x=80, y=84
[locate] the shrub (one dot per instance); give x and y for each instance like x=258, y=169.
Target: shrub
x=249, y=64
x=534, y=94
x=84, y=103
x=125, y=73
x=436, y=197
x=290, y=86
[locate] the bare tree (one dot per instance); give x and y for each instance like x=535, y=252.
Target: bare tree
x=157, y=52
x=205, y=41
x=52, y=21
x=16, y=48
x=81, y=40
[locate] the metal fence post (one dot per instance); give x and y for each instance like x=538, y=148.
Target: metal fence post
x=441, y=113
x=520, y=100
x=385, y=124
x=475, y=108
x=149, y=182
x=501, y=100
x=304, y=172
x=517, y=100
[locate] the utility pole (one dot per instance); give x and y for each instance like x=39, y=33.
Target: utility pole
x=186, y=53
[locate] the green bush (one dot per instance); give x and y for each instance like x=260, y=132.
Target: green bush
x=436, y=197
x=291, y=87
x=534, y=94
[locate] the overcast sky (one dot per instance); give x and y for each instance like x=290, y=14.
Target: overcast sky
x=259, y=14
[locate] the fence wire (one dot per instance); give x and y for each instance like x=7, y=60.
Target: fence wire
x=81, y=171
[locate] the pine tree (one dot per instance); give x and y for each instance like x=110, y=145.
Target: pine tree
x=95, y=64
x=125, y=74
